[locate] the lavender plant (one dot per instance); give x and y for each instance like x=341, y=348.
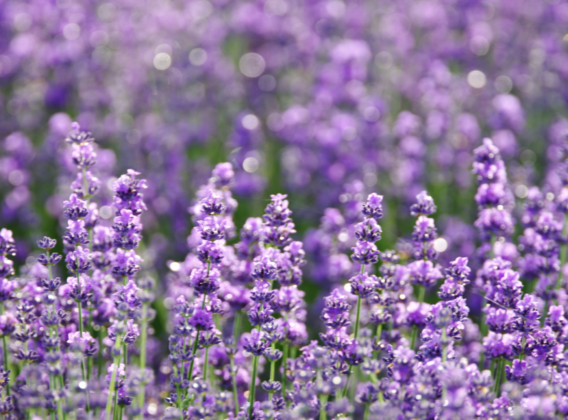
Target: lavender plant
x=396, y=343
x=176, y=297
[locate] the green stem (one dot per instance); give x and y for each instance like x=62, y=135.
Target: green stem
x=235, y=391
x=252, y=387
x=88, y=405
x=194, y=348
x=346, y=388
x=323, y=403
x=272, y=364
x=125, y=355
x=178, y=393
x=51, y=387
x=237, y=326
x=193, y=351
x=356, y=333
x=499, y=376
x=114, y=410
x=379, y=332
x=366, y=412
x=143, y=338
x=116, y=361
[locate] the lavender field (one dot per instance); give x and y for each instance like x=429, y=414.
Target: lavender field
x=283, y=209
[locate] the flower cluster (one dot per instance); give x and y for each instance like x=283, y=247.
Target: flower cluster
x=265, y=317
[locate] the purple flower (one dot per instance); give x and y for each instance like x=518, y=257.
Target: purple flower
x=8, y=324
x=365, y=253
x=417, y=314
x=490, y=195
x=424, y=205
x=78, y=261
x=6, y=267
x=546, y=226
x=368, y=231
x=77, y=136
x=127, y=228
x=519, y=372
x=7, y=244
x=83, y=155
x=128, y=193
x=495, y=220
x=212, y=228
x=212, y=204
x=126, y=263
x=205, y=281
x=500, y=320
x=201, y=320
x=75, y=208
x=363, y=285
x=424, y=273
x=264, y=268
x=424, y=230
x=6, y=286
x=498, y=345
x=255, y=342
x=223, y=175
x=373, y=208
x=277, y=212
x=210, y=252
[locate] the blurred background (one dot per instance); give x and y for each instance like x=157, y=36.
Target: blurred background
x=325, y=101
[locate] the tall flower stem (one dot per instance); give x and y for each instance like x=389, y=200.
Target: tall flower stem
x=272, y=365
x=194, y=348
x=379, y=332
x=357, y=318
x=284, y=365
x=323, y=403
x=178, y=393
x=100, y=355
x=112, y=391
x=143, y=339
x=80, y=310
x=234, y=380
x=252, y=390
x=237, y=326
x=355, y=336
x=499, y=376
